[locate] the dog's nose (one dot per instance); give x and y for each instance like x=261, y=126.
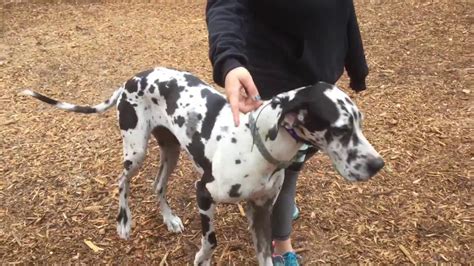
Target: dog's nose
x=375, y=165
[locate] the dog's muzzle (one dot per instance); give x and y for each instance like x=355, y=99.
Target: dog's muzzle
x=375, y=165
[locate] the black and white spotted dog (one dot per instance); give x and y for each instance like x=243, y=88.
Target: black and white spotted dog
x=181, y=111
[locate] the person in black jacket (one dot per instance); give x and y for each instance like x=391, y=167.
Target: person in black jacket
x=265, y=47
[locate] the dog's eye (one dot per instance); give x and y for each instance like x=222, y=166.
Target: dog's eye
x=339, y=131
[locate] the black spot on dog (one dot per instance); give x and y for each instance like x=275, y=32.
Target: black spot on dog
x=171, y=91
x=342, y=105
x=238, y=161
x=127, y=116
x=144, y=74
x=143, y=84
x=214, y=104
x=152, y=88
x=161, y=190
x=355, y=114
x=84, y=109
x=154, y=100
x=131, y=85
x=196, y=149
x=234, y=191
x=127, y=164
x=205, y=226
x=346, y=138
x=179, y=120
x=203, y=197
x=245, y=176
x=275, y=102
x=357, y=166
x=355, y=140
x=106, y=101
x=272, y=133
x=234, y=140
x=212, y=239
x=351, y=156
x=218, y=137
x=199, y=116
x=349, y=101
x=120, y=189
x=122, y=216
x=193, y=80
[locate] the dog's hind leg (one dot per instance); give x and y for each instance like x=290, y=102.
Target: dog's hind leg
x=169, y=148
x=134, y=148
x=206, y=211
x=258, y=214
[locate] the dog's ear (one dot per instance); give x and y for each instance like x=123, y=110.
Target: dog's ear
x=290, y=114
x=310, y=107
x=321, y=109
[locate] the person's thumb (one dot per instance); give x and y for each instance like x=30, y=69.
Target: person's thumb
x=250, y=87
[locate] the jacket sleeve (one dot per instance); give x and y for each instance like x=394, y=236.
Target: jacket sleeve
x=226, y=28
x=355, y=64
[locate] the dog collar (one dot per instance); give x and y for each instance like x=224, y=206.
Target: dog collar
x=257, y=140
x=293, y=134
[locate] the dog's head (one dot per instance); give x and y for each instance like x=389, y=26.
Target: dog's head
x=324, y=116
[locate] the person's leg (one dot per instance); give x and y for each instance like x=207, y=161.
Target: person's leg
x=282, y=215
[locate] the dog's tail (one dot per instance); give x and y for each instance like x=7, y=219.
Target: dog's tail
x=99, y=108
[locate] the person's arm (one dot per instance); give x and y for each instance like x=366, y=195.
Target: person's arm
x=226, y=27
x=226, y=21
x=355, y=64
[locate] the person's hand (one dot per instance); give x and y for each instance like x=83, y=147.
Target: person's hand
x=241, y=92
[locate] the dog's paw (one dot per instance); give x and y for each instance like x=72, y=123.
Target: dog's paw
x=123, y=230
x=124, y=223
x=201, y=259
x=173, y=223
x=203, y=263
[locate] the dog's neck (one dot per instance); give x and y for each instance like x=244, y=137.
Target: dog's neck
x=276, y=139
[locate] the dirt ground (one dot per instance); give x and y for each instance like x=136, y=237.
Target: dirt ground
x=59, y=170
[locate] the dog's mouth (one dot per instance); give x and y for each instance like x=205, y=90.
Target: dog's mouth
x=354, y=176
x=357, y=177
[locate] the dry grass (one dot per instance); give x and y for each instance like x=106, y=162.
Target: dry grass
x=58, y=188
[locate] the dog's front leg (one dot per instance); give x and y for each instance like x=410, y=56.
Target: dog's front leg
x=258, y=213
x=206, y=210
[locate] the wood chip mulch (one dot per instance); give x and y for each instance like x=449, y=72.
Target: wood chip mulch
x=58, y=189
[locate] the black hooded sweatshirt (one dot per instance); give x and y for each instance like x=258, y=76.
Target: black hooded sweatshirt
x=286, y=44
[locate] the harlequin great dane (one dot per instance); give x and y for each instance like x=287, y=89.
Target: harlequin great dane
x=235, y=163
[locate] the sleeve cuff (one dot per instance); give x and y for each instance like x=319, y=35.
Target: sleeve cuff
x=358, y=84
x=227, y=66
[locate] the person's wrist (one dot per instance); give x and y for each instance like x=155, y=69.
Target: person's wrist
x=229, y=65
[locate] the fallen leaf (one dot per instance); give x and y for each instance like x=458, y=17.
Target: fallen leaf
x=92, y=246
